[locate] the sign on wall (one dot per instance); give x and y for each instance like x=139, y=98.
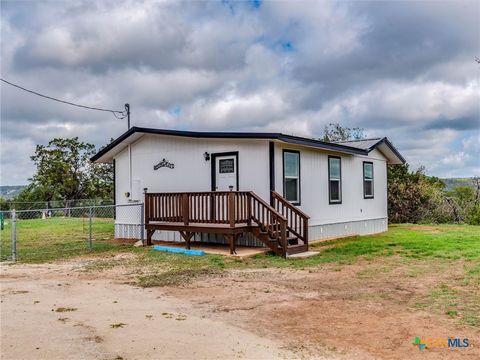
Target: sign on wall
x=163, y=163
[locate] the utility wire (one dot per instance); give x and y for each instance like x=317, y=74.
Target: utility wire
x=116, y=113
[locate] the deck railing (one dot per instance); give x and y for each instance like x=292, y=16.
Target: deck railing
x=217, y=207
x=214, y=207
x=297, y=219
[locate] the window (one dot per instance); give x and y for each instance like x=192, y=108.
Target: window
x=335, y=180
x=226, y=166
x=291, y=176
x=368, y=180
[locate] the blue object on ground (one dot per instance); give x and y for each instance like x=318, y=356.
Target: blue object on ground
x=179, y=250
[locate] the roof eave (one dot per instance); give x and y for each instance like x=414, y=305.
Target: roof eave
x=384, y=141
x=113, y=144
x=101, y=155
x=321, y=145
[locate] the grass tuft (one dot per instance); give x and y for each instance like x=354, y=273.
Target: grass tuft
x=173, y=277
x=65, y=309
x=118, y=325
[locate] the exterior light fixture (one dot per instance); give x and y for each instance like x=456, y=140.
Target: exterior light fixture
x=206, y=155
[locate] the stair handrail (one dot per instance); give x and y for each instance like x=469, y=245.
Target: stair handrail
x=280, y=198
x=303, y=233
x=272, y=228
x=267, y=205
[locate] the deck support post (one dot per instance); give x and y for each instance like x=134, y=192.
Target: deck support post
x=232, y=239
x=149, y=237
x=283, y=237
x=187, y=236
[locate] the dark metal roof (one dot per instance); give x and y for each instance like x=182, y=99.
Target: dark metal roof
x=370, y=144
x=363, y=144
x=297, y=140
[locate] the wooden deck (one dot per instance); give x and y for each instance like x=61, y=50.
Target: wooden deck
x=284, y=229
x=199, y=227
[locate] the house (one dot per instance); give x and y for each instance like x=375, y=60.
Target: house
x=249, y=188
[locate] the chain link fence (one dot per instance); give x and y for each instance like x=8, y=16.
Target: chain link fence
x=39, y=235
x=11, y=204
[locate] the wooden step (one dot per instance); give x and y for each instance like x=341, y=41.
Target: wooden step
x=292, y=240
x=295, y=249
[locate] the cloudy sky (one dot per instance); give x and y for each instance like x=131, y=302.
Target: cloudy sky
x=405, y=70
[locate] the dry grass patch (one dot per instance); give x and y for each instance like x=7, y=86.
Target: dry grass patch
x=65, y=309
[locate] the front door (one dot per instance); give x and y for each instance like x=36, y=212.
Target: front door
x=226, y=168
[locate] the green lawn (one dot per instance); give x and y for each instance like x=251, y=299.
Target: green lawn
x=41, y=240
x=440, y=242
x=50, y=239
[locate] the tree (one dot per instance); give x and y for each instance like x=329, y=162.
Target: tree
x=336, y=132
x=415, y=197
x=64, y=172
x=464, y=203
x=102, y=181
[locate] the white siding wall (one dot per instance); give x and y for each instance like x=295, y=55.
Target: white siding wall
x=355, y=215
x=191, y=172
x=121, y=177
x=314, y=186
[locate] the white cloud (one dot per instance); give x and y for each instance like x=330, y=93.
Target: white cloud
x=472, y=143
x=458, y=158
x=399, y=71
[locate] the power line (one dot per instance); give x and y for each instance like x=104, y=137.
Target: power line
x=118, y=114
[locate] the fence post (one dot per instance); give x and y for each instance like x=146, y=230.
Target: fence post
x=90, y=228
x=142, y=222
x=14, y=235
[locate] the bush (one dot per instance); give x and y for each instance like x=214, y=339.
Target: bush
x=414, y=197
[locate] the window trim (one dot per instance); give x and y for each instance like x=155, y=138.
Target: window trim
x=335, y=202
x=298, y=202
x=365, y=196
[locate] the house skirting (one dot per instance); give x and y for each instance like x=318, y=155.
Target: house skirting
x=316, y=232
x=350, y=228
x=127, y=231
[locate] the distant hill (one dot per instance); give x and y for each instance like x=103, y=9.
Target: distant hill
x=451, y=183
x=8, y=192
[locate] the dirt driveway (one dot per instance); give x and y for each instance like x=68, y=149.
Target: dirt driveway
x=348, y=312
x=58, y=312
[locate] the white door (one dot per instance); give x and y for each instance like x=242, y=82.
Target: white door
x=226, y=173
